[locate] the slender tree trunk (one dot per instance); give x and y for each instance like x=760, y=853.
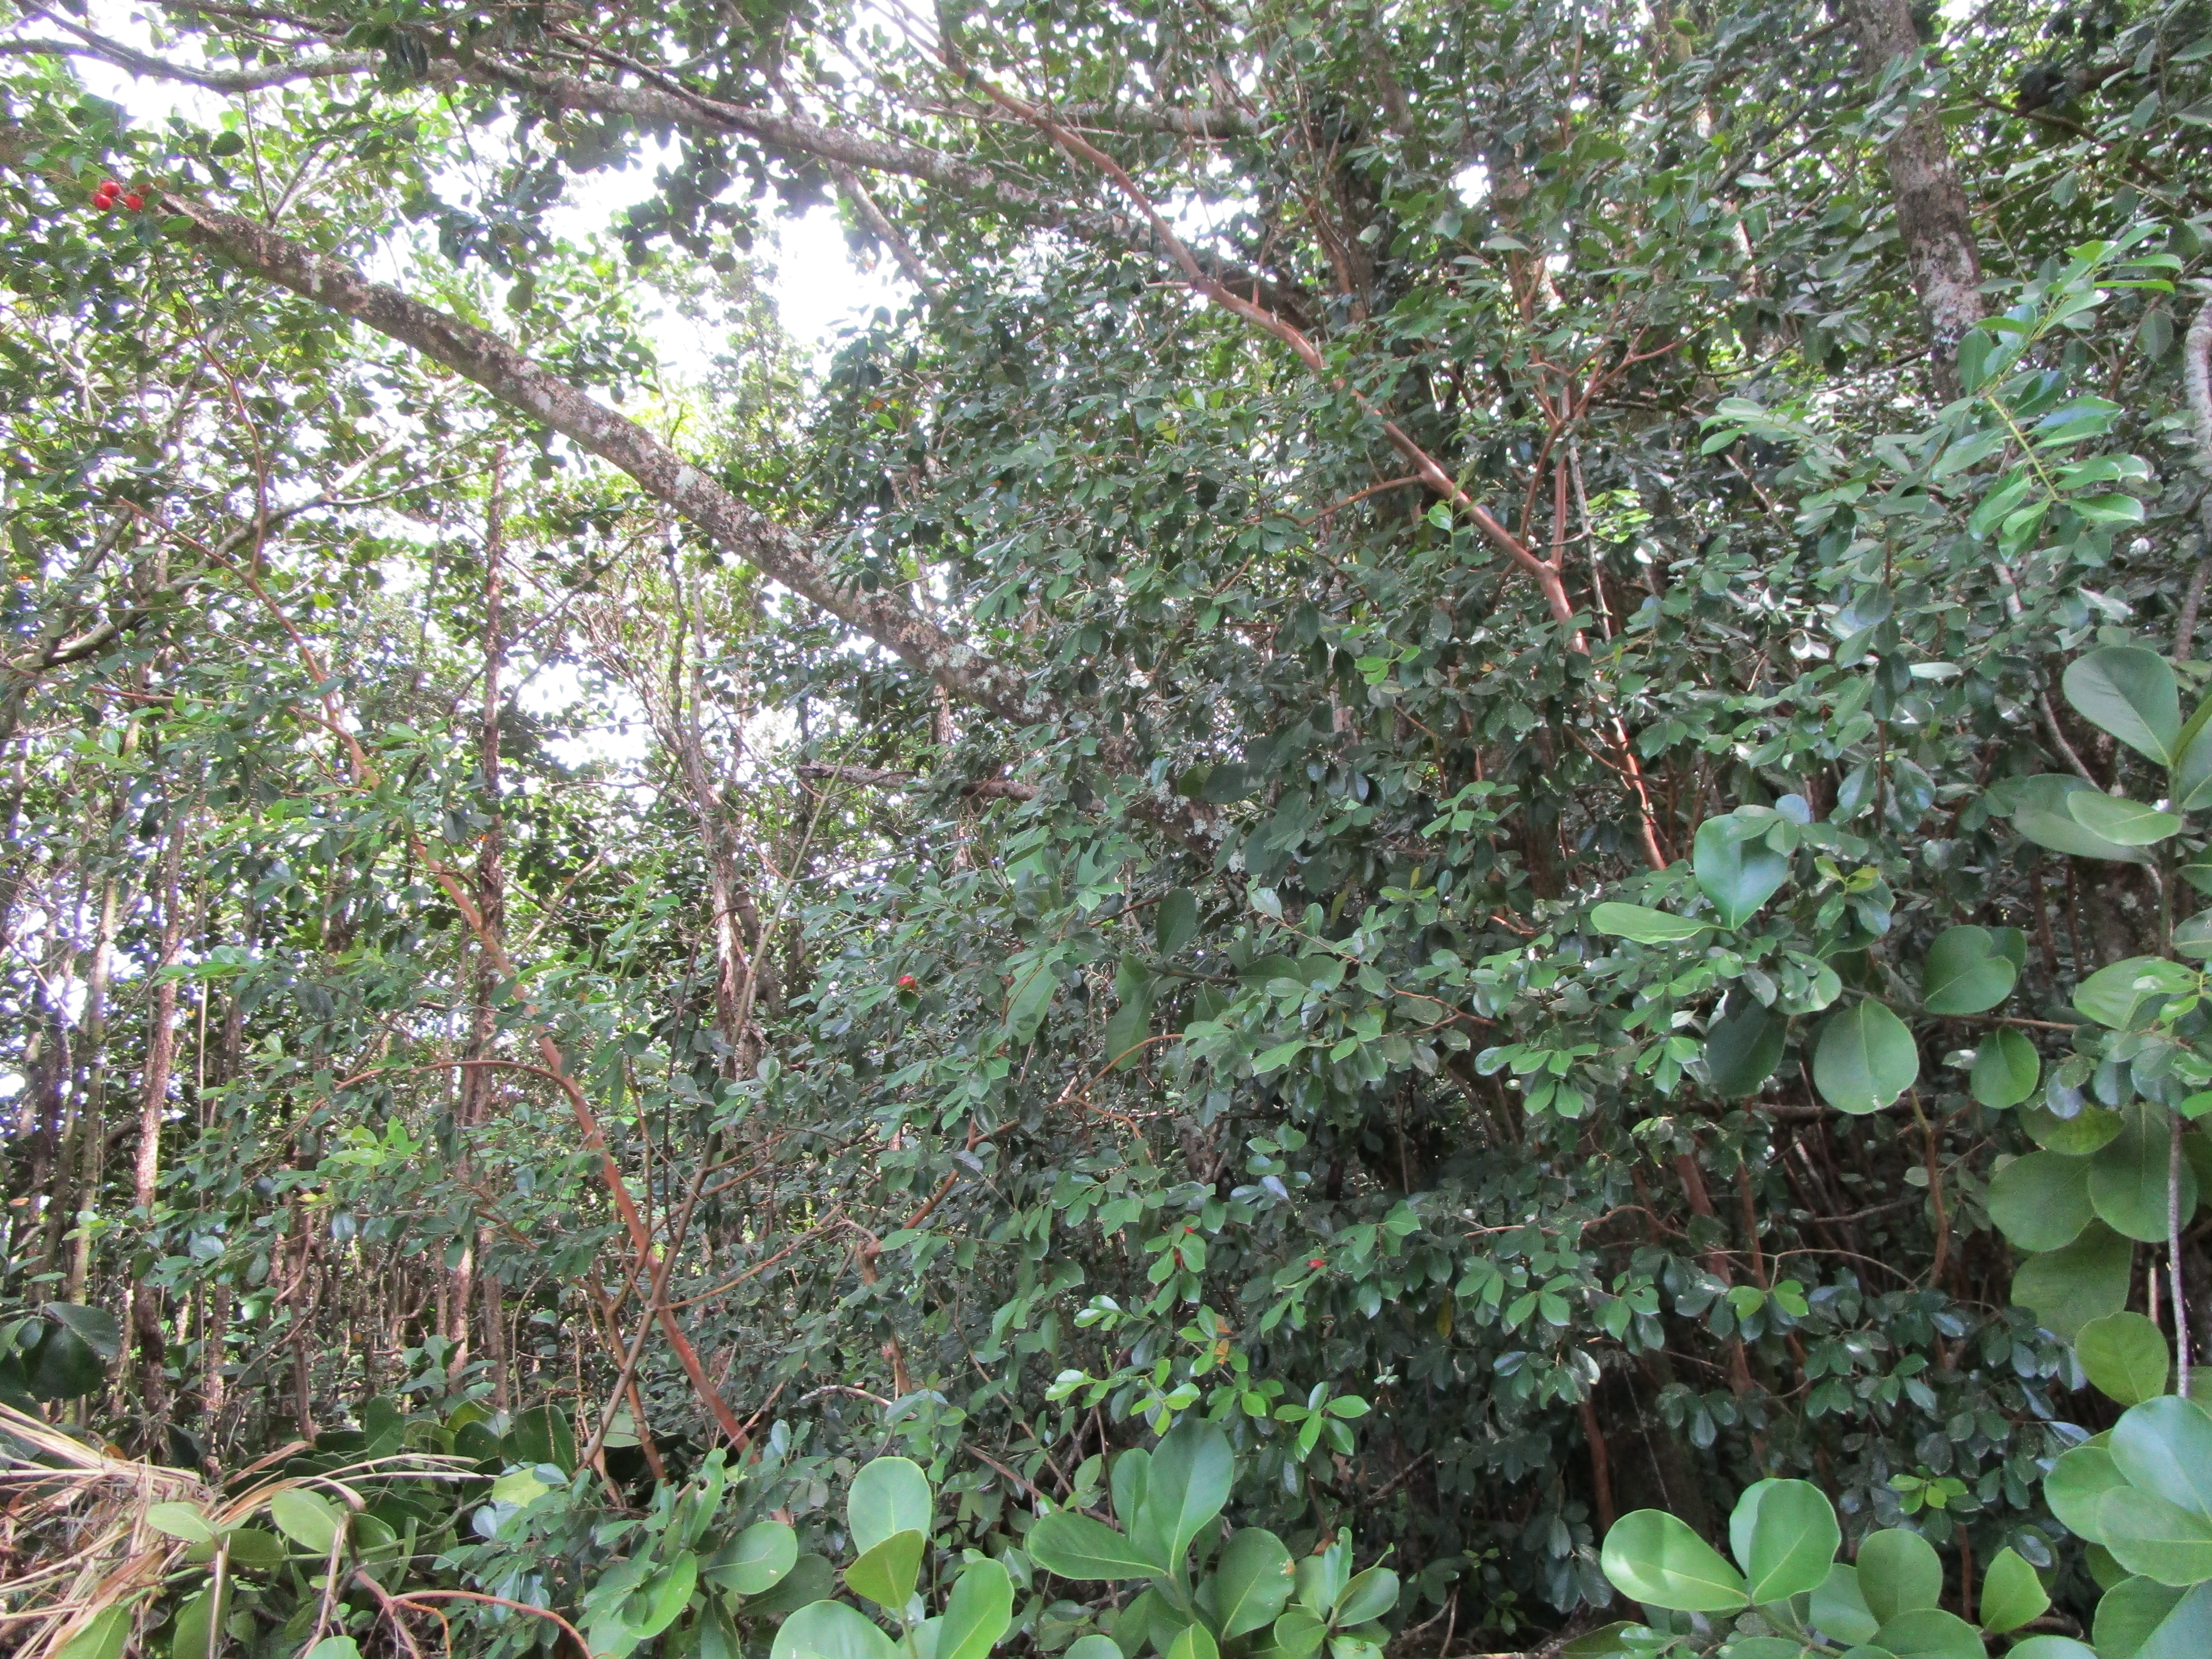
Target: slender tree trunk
x=1933, y=219
x=153, y=1104
x=90, y=1148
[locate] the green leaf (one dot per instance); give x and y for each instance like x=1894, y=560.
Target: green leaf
x=1175, y=923
x=2125, y=1356
x=2039, y=812
x=1076, y=1546
x=980, y=1610
x=1656, y=1559
x=1298, y=1634
x=2076, y=1485
x=1194, y=1642
x=2193, y=937
x=1252, y=1580
x=306, y=1518
x=1323, y=1575
x=1034, y=980
x=830, y=1630
x=1839, y=1611
x=256, y=1550
x=1785, y=1535
x=101, y=1636
x=2006, y=1070
x=1193, y=1468
x=2128, y=1179
x=198, y=1632
x=1735, y=868
x=181, y=1520
x=1965, y=972
x=63, y=1365
x=1864, y=1059
x=1900, y=1572
x=1603, y=1643
x=2165, y=1447
x=2011, y=1592
x=2089, y=1128
x=754, y=1561
x=2065, y=1289
x=1094, y=1646
x=890, y=1495
x=886, y=1573
x=2156, y=1538
x=2142, y=1619
x=2191, y=779
x=1931, y=1633
x=1126, y=1031
x=2041, y=1201
x=2113, y=996
x=1368, y=1595
x=666, y=1594
x=812, y=1579
x=1742, y=1048
x=1644, y=925
x=97, y=1328
x=2051, y=1647
x=1133, y=1473
x=2130, y=693
x=2117, y=819
x=542, y=1435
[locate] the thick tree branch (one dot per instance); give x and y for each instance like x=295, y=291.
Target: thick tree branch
x=90, y=44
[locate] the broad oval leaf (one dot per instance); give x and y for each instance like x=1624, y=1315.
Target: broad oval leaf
x=1193, y=1468
x=663, y=1598
x=2011, y=1592
x=2067, y=1288
x=1094, y=1646
x=1298, y=1633
x=1931, y=1633
x=830, y=1630
x=1839, y=1611
x=979, y=1611
x=101, y=1636
x=756, y=1560
x=1076, y=1546
x=2039, y=812
x=2076, y=1484
x=1966, y=972
x=1742, y=1048
x=181, y=1520
x=1656, y=1559
x=1252, y=1580
x=1865, y=1058
x=1785, y=1535
x=2111, y=996
x=2130, y=693
x=2051, y=1647
x=1194, y=1642
x=890, y=1495
x=1368, y=1595
x=2165, y=1446
x=887, y=1573
x=2117, y=819
x=2130, y=1177
x=2133, y=1611
x=2041, y=1201
x=1645, y=925
x=2125, y=1356
x=306, y=1518
x=2006, y=1070
x=1175, y=922
x=2156, y=1538
x=1900, y=1572
x=1736, y=869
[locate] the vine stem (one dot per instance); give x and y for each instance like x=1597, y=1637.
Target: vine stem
x=2173, y=1259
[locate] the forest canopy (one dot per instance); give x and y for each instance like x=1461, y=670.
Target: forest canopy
x=1438, y=838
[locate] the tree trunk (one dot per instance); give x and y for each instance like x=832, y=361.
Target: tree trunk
x=153, y=1102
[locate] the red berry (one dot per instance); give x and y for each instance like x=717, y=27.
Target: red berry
x=1317, y=1261
x=906, y=982
x=134, y=201
x=111, y=187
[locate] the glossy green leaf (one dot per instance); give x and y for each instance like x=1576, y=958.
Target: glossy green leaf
x=63, y=1365
x=890, y=1495
x=2039, y=812
x=1965, y=972
x=1839, y=1611
x=181, y=1520
x=1736, y=869
x=2193, y=937
x=2192, y=783
x=2165, y=1446
x=198, y=1631
x=1175, y=923
x=102, y=1635
x=1194, y=1642
x=830, y=1630
x=1076, y=1547
x=2123, y=822
x=1368, y=1595
x=2040, y=1201
x=1252, y=1580
x=2130, y=693
x=542, y=1435
x=1644, y=925
x=1191, y=1471
x=2125, y=1356
x=2076, y=1485
x=306, y=1518
x=2078, y=1136
x=1655, y=1559
x=2129, y=1178
x=2067, y=1288
x=1094, y=1646
x=2050, y=1647
x=1298, y=1634
x=1322, y=1576
x=2006, y=1070
x=1930, y=1633
x=754, y=1561
x=2156, y=1538
x=2011, y=1592
x=1742, y=1049
x=2130, y=1613
x=980, y=1610
x=1900, y=1572
x=1784, y=1533
x=812, y=1579
x=662, y=1598
x=1864, y=1059
x=2110, y=996
x=887, y=1573
x=97, y=1328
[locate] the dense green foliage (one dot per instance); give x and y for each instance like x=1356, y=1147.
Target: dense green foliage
x=1467, y=753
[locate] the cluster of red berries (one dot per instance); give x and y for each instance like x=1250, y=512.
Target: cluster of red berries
x=111, y=192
